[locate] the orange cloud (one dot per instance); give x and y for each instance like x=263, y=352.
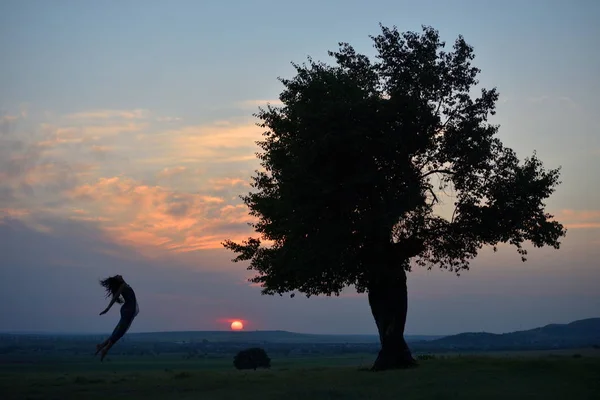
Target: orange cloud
x=154, y=216
x=101, y=149
x=218, y=136
x=579, y=219
x=237, y=214
x=95, y=132
x=89, y=218
x=56, y=136
x=171, y=171
x=28, y=169
x=13, y=213
x=29, y=173
x=45, y=173
x=223, y=183
x=110, y=114
x=214, y=143
x=168, y=119
x=9, y=118
x=158, y=212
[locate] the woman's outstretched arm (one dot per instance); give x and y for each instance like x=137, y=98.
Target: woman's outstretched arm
x=114, y=298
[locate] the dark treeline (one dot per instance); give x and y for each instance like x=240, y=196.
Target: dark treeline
x=16, y=345
x=578, y=334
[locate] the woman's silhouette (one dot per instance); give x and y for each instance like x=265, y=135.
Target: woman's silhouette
x=121, y=293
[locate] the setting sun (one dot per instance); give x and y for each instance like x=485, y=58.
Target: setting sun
x=237, y=326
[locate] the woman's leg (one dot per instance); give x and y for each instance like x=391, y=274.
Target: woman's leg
x=100, y=346
x=118, y=332
x=106, y=348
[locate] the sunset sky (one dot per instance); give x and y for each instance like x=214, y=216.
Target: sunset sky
x=126, y=137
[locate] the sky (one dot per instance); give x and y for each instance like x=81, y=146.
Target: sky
x=127, y=135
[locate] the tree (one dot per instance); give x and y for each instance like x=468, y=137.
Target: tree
x=252, y=358
x=348, y=191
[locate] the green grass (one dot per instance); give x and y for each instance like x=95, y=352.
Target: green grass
x=313, y=378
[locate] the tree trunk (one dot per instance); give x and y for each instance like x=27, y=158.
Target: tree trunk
x=388, y=298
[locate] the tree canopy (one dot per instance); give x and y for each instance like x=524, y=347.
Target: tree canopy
x=356, y=157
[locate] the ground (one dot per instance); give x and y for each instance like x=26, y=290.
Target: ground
x=573, y=375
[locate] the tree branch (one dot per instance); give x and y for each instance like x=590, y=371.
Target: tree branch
x=408, y=248
x=448, y=120
x=437, y=171
x=454, y=212
x=435, y=198
x=437, y=111
x=452, y=115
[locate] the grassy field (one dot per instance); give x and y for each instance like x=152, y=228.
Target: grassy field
x=526, y=376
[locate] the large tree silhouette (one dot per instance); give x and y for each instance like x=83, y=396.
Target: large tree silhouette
x=354, y=164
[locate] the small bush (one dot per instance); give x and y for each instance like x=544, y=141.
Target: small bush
x=182, y=375
x=424, y=357
x=252, y=358
x=82, y=380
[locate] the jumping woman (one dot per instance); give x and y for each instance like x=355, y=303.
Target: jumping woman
x=121, y=293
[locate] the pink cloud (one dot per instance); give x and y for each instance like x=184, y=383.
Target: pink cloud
x=46, y=173
x=13, y=212
x=154, y=216
x=224, y=183
x=94, y=132
x=100, y=149
x=159, y=212
x=85, y=133
x=110, y=114
x=171, y=171
x=9, y=118
x=168, y=119
x=237, y=214
x=579, y=219
x=216, y=136
x=216, y=143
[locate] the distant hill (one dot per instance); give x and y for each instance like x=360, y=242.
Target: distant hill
x=577, y=334
x=582, y=333
x=262, y=337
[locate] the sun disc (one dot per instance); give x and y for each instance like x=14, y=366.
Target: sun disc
x=237, y=326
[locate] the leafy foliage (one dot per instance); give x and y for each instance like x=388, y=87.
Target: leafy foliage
x=350, y=165
x=252, y=358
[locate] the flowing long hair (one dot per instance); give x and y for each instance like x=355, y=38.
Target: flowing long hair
x=112, y=285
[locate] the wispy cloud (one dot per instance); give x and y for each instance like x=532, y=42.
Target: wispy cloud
x=6, y=119
x=565, y=100
x=29, y=172
x=87, y=133
x=171, y=171
x=13, y=116
x=212, y=143
x=109, y=114
x=167, y=189
x=215, y=137
x=100, y=149
x=154, y=216
x=168, y=119
x=224, y=183
x=259, y=103
x=13, y=213
x=579, y=219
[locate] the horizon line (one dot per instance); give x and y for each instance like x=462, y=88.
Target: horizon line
x=33, y=332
